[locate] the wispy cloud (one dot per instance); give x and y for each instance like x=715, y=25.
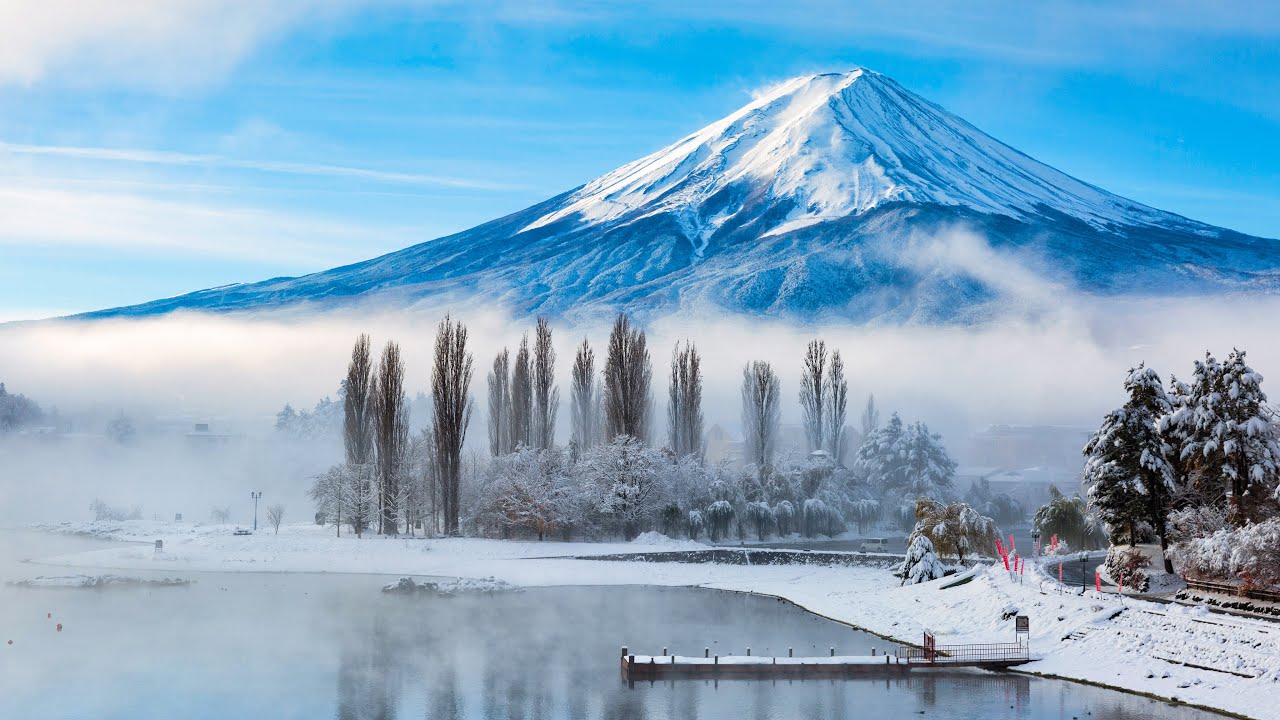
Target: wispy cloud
x=45, y=217
x=167, y=158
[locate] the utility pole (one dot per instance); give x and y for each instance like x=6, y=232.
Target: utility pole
x=255, y=496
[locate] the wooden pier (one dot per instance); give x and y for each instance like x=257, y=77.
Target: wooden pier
x=990, y=656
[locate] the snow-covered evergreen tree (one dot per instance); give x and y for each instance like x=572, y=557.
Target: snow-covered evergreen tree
x=1227, y=437
x=1127, y=470
x=921, y=564
x=906, y=460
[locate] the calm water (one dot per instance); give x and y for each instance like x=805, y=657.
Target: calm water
x=321, y=646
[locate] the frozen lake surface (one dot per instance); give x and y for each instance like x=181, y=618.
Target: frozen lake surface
x=326, y=645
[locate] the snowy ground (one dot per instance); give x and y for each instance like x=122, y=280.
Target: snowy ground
x=1167, y=651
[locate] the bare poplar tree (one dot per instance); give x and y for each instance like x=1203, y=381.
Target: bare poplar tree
x=521, y=398
x=357, y=425
x=870, y=417
x=837, y=406
x=761, y=411
x=684, y=403
x=584, y=400
x=812, y=386
x=627, y=376
x=450, y=385
x=546, y=395
x=500, y=405
x=391, y=434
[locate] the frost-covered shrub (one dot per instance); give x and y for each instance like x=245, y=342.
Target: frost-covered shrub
x=1256, y=556
x=1060, y=550
x=1205, y=558
x=1128, y=565
x=103, y=511
x=921, y=564
x=1199, y=521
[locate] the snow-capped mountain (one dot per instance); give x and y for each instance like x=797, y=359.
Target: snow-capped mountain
x=834, y=196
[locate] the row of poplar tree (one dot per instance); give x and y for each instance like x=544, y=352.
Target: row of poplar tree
x=390, y=478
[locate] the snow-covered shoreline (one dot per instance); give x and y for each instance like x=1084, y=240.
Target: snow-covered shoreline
x=1165, y=651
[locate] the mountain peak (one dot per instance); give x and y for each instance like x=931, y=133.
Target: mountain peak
x=831, y=145
x=826, y=196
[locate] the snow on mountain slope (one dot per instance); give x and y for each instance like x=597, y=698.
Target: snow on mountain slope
x=840, y=197
x=839, y=145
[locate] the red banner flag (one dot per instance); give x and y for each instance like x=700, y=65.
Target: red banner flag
x=1059, y=573
x=1097, y=580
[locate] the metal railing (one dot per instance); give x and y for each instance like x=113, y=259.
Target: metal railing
x=1226, y=588
x=966, y=654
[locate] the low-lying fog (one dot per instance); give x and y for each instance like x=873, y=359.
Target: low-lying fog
x=235, y=372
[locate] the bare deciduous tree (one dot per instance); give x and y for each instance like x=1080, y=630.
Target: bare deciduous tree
x=546, y=395
x=812, y=386
x=870, y=419
x=837, y=406
x=330, y=493
x=627, y=375
x=220, y=515
x=684, y=404
x=584, y=400
x=761, y=411
x=500, y=405
x=357, y=426
x=521, y=398
x=275, y=516
x=450, y=384
x=391, y=434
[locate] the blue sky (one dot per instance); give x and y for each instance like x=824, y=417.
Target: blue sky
x=172, y=145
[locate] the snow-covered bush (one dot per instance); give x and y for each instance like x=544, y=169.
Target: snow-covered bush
x=921, y=564
x=1197, y=521
x=1205, y=558
x=103, y=511
x=1062, y=549
x=1128, y=565
x=1256, y=556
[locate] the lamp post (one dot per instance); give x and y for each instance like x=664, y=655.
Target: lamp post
x=1035, y=541
x=1084, y=560
x=255, y=496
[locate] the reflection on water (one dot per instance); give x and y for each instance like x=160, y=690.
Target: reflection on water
x=316, y=646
